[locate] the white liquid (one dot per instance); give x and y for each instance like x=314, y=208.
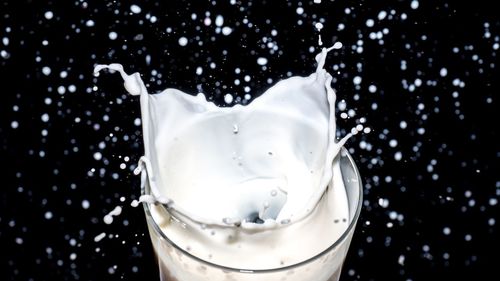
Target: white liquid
x=250, y=186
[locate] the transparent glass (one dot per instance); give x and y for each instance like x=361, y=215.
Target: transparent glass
x=175, y=264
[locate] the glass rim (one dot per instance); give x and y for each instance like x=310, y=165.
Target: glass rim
x=340, y=240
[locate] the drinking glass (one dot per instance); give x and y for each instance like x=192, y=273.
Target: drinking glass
x=176, y=264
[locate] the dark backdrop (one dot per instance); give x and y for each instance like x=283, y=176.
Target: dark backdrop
x=427, y=86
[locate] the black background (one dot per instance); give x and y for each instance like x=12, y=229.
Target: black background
x=431, y=214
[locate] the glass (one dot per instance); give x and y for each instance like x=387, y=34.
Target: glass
x=175, y=264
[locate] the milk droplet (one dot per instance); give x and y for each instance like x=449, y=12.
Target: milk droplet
x=357, y=80
x=85, y=204
x=262, y=61
x=199, y=70
x=228, y=98
x=384, y=203
x=134, y=203
x=49, y=15
x=183, y=41
x=446, y=231
x=414, y=4
x=337, y=45
x=46, y=70
x=108, y=219
x=382, y=15
x=226, y=30
x=48, y=215
x=219, y=20
x=97, y=156
x=393, y=143
x=113, y=35
x=135, y=9
x=401, y=260
x=443, y=72
x=45, y=117
x=99, y=237
x=398, y=156
x=318, y=26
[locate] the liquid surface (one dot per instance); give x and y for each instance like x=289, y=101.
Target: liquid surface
x=252, y=179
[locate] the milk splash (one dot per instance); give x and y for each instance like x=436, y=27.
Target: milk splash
x=260, y=166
